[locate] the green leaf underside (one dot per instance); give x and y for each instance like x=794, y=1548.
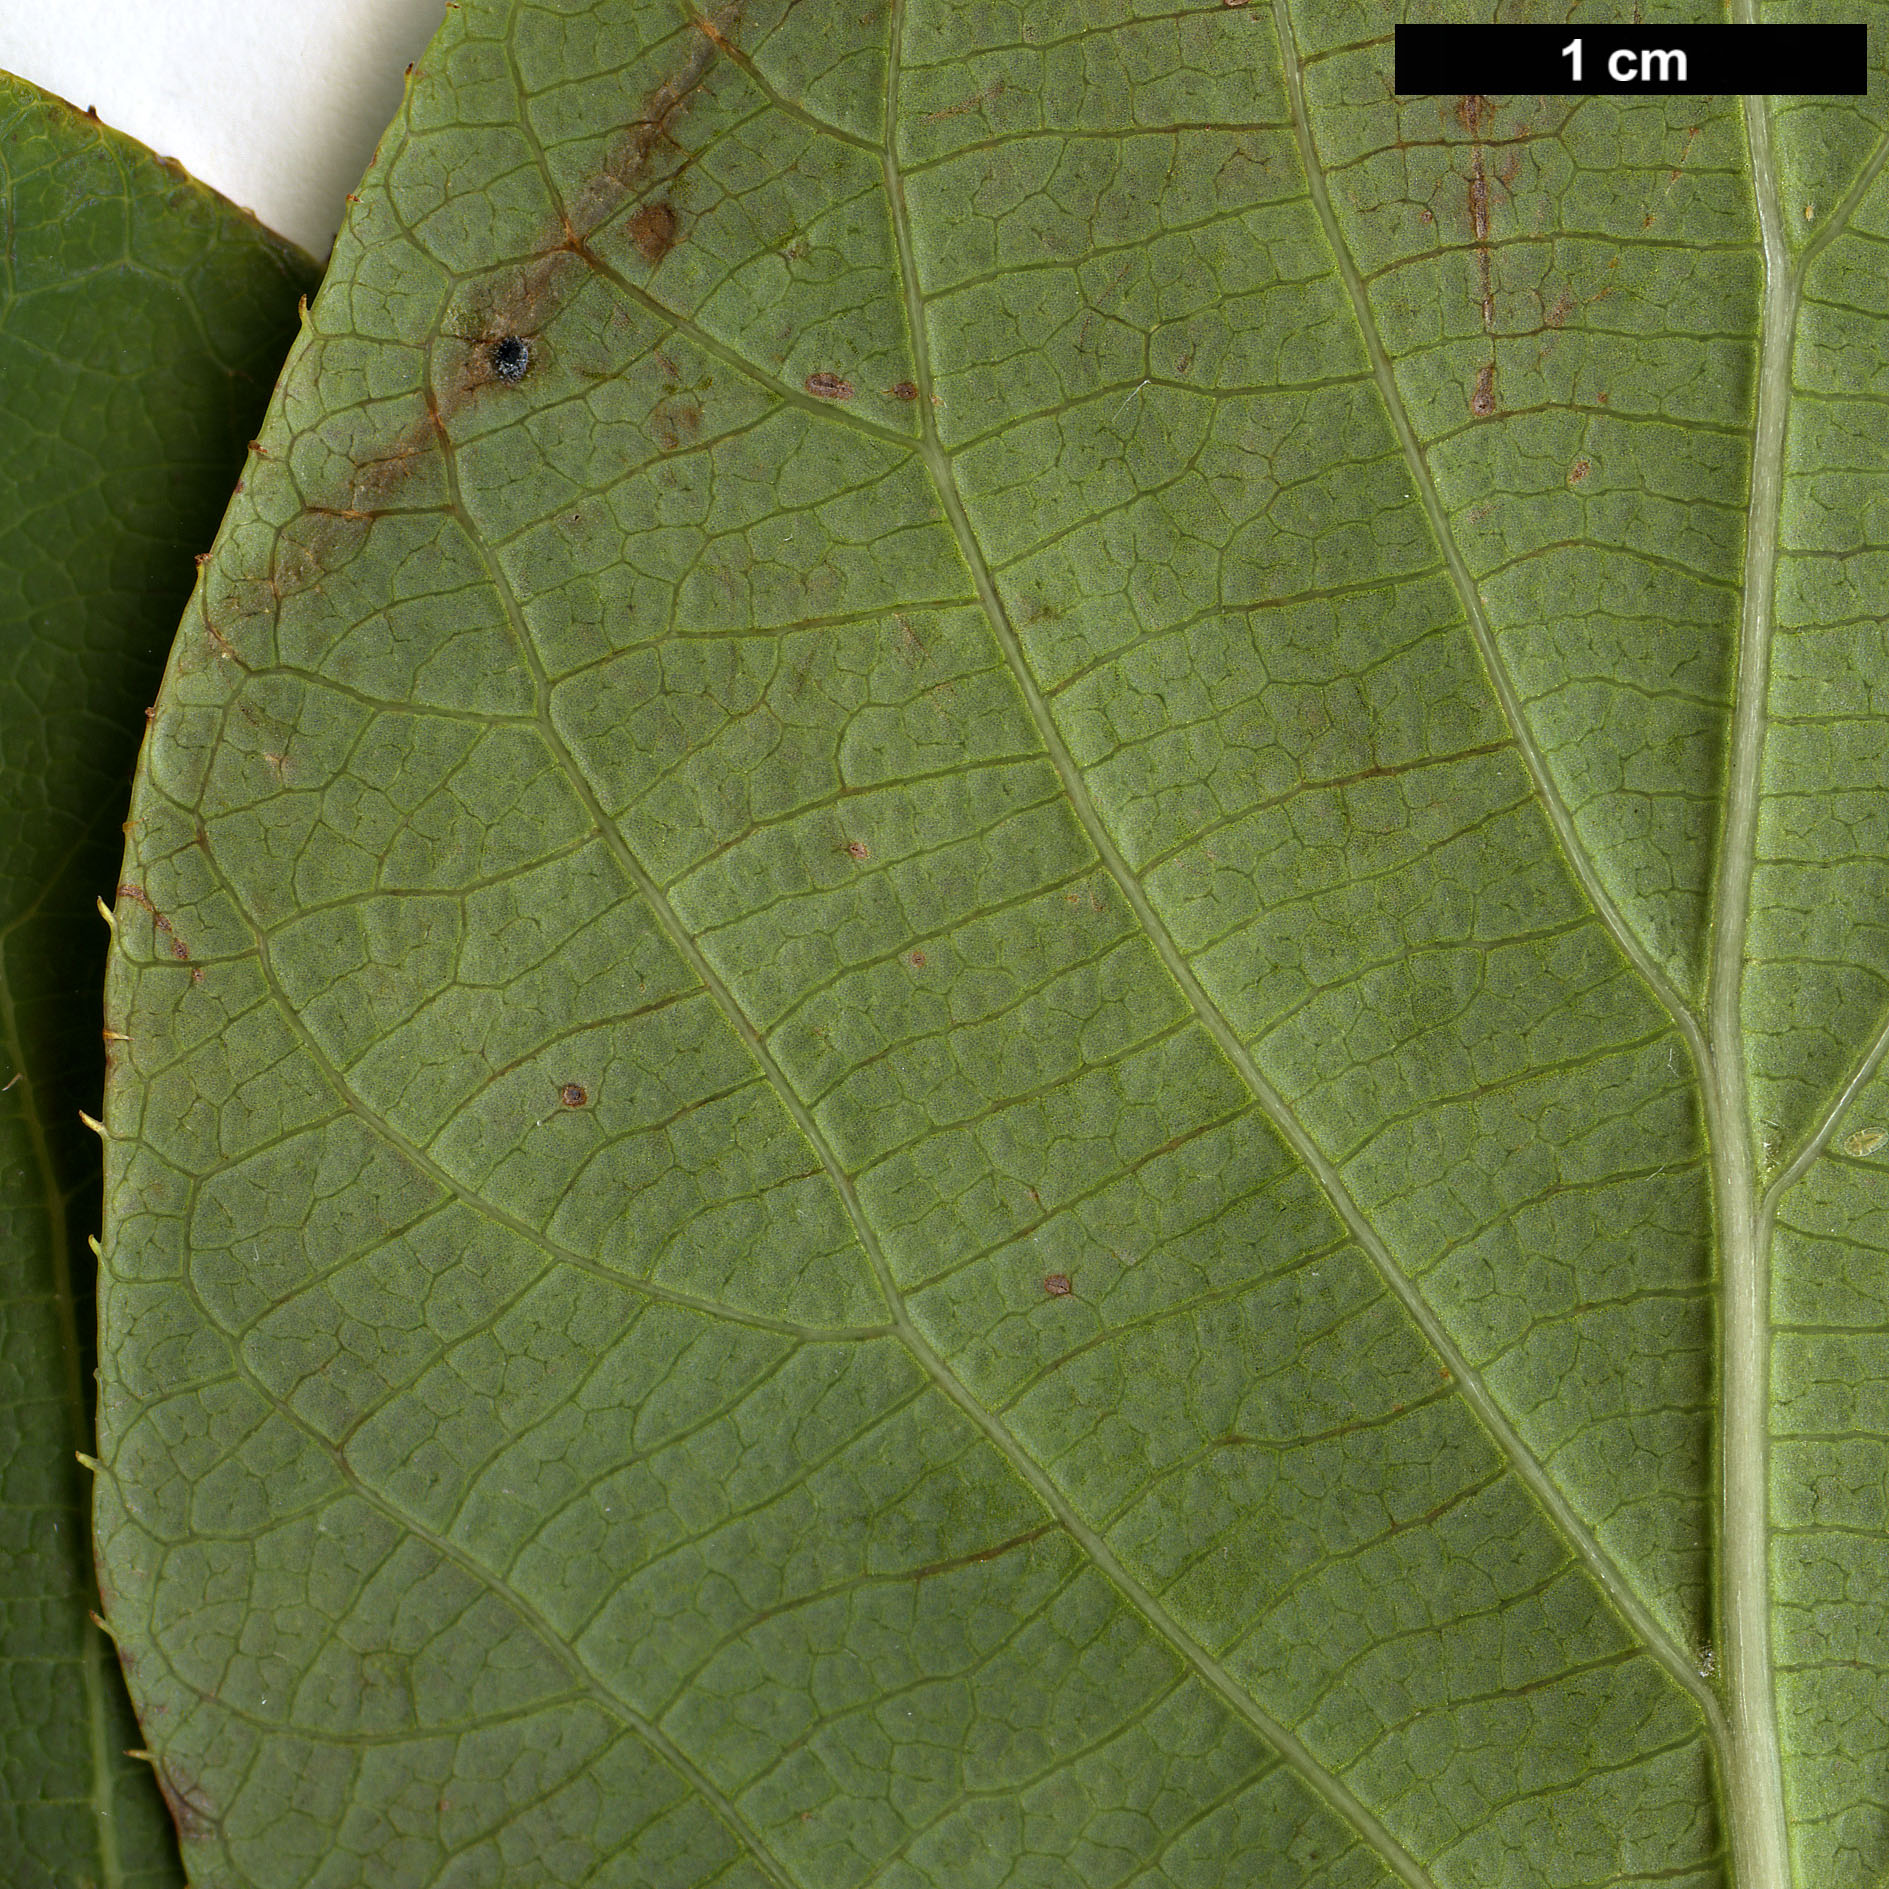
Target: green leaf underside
x=962, y=1023
x=142, y=322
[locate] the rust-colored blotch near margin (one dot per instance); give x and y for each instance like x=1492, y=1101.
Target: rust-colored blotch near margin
x=492, y=353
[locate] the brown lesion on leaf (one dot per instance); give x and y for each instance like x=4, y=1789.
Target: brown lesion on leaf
x=189, y=1804
x=1674, y=175
x=225, y=650
x=1482, y=398
x=675, y=421
x=1607, y=289
x=655, y=230
x=912, y=647
x=513, y=307
x=379, y=482
x=330, y=531
x=160, y=925
x=978, y=101
x=634, y=151
x=996, y=1553
x=1472, y=111
x=1579, y=470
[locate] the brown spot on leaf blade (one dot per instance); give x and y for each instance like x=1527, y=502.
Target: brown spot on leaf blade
x=654, y=231
x=159, y=923
x=639, y=144
x=1001, y=1549
x=189, y=1807
x=1471, y=111
x=976, y=102
x=825, y=386
x=1482, y=401
x=675, y=420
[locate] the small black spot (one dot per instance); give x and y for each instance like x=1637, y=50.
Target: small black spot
x=510, y=358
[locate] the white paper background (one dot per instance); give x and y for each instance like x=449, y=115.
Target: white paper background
x=276, y=103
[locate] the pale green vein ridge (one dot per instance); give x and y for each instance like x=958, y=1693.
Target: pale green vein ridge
x=1675, y=1660
x=78, y=1418
x=1754, y=1809
x=1820, y=1136
x=1294, y=1753
x=1572, y=846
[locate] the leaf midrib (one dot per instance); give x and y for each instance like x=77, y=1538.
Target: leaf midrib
x=1754, y=1776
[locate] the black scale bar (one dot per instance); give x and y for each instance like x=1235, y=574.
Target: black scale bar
x=1570, y=61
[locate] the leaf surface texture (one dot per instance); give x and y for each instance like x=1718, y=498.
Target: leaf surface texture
x=1033, y=874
